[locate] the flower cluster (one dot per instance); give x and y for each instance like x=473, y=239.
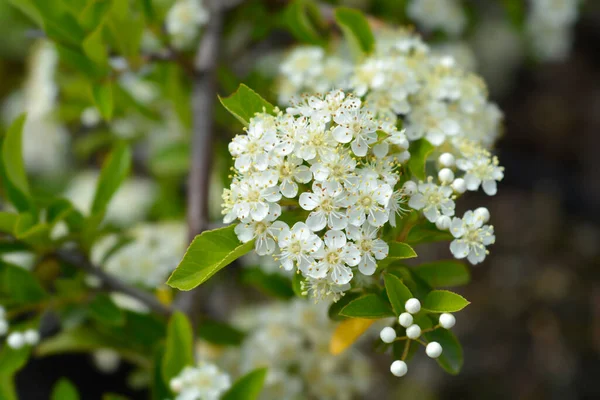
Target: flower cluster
x=292, y=341
x=413, y=332
x=549, y=26
x=152, y=252
x=203, y=382
x=184, y=20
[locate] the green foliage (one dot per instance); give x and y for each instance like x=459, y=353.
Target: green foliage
x=398, y=251
x=245, y=103
x=179, y=348
x=418, y=287
x=8, y=222
x=103, y=309
x=304, y=21
x=274, y=284
x=19, y=285
x=356, y=30
x=397, y=292
x=440, y=301
x=248, y=387
x=114, y=171
x=102, y=96
x=297, y=280
x=516, y=12
x=370, y=306
x=209, y=252
x=64, y=390
x=337, y=307
x=444, y=273
x=14, y=177
x=451, y=359
x=419, y=152
x=11, y=361
x=219, y=333
x=426, y=232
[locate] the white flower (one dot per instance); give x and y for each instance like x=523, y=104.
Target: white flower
x=315, y=141
x=481, y=171
x=369, y=203
x=204, y=382
x=255, y=194
x=298, y=246
x=395, y=206
x=433, y=200
x=335, y=171
x=303, y=63
x=432, y=121
x=335, y=259
x=291, y=171
x=472, y=237
x=184, y=19
x=252, y=149
x=263, y=231
x=447, y=15
x=326, y=208
x=370, y=247
x=355, y=125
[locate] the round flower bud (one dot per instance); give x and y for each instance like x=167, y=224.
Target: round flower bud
x=399, y=368
x=410, y=188
x=447, y=160
x=459, y=185
x=15, y=340
x=413, y=305
x=413, y=331
x=434, y=349
x=176, y=385
x=443, y=223
x=387, y=334
x=32, y=337
x=447, y=320
x=405, y=319
x=482, y=213
x=3, y=327
x=446, y=175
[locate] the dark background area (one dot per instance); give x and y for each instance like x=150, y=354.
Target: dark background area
x=533, y=329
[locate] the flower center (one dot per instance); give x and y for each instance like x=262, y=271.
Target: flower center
x=260, y=228
x=327, y=205
x=366, y=245
x=295, y=248
x=366, y=201
x=333, y=257
x=253, y=196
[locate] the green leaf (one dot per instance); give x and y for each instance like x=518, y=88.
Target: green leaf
x=440, y=301
x=297, y=280
x=8, y=221
x=245, y=103
x=427, y=233
x=274, y=284
x=179, y=350
x=209, y=252
x=419, y=152
x=397, y=292
x=114, y=171
x=11, y=361
x=159, y=388
x=418, y=287
x=303, y=20
x=248, y=387
x=20, y=285
x=220, y=333
x=370, y=306
x=356, y=30
x=64, y=390
x=337, y=307
x=451, y=359
x=77, y=59
x=94, y=47
x=102, y=96
x=103, y=309
x=15, y=182
x=398, y=251
x=444, y=273
x=516, y=12
x=94, y=14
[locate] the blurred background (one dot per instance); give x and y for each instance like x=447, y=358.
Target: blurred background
x=533, y=329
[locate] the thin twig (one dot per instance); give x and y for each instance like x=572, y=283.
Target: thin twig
x=112, y=283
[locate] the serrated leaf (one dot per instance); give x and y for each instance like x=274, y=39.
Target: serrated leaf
x=102, y=96
x=114, y=171
x=419, y=152
x=245, y=103
x=444, y=273
x=248, y=387
x=347, y=332
x=369, y=306
x=356, y=30
x=303, y=19
x=451, y=359
x=398, y=251
x=64, y=390
x=13, y=167
x=209, y=252
x=103, y=309
x=397, y=292
x=441, y=301
x=179, y=349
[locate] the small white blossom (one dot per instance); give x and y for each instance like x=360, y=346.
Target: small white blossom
x=335, y=259
x=299, y=246
x=471, y=237
x=204, y=382
x=370, y=247
x=326, y=208
x=434, y=200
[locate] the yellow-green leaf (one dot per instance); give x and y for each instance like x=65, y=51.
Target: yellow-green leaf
x=441, y=301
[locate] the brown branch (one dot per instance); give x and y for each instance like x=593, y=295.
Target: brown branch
x=112, y=283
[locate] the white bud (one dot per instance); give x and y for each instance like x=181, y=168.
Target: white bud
x=176, y=385
x=387, y=334
x=443, y=223
x=410, y=188
x=413, y=305
x=15, y=340
x=413, y=331
x=3, y=327
x=32, y=337
x=459, y=185
x=447, y=320
x=405, y=319
x=483, y=214
x=399, y=368
x=446, y=175
x=434, y=349
x=447, y=160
